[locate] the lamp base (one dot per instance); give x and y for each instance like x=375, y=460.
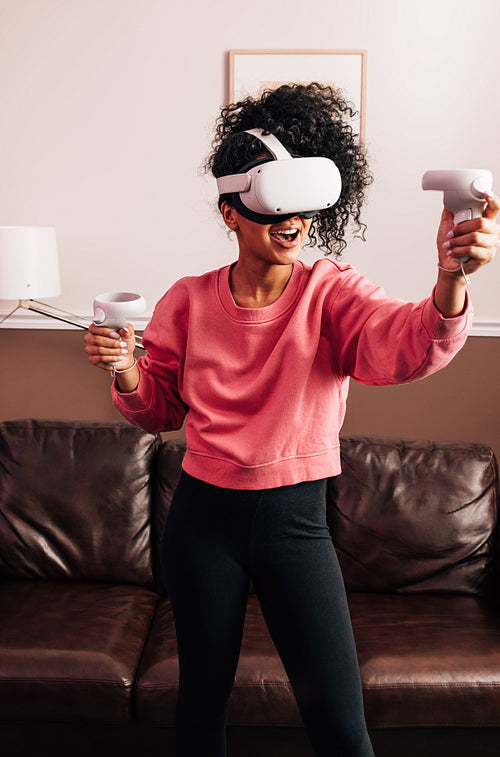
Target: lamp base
x=4, y=318
x=60, y=315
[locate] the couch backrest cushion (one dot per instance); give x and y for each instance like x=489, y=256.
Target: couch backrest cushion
x=76, y=501
x=415, y=516
x=169, y=471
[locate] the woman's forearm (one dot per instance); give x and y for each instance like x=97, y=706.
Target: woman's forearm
x=450, y=293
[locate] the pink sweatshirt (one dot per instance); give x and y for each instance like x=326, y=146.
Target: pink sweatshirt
x=265, y=389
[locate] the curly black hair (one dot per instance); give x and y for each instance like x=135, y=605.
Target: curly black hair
x=309, y=120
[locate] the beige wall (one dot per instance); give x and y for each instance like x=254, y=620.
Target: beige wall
x=107, y=113
x=108, y=110
x=45, y=374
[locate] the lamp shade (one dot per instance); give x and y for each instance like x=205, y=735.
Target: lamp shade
x=29, y=266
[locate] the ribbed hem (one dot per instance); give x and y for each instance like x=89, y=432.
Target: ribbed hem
x=268, y=476
x=439, y=327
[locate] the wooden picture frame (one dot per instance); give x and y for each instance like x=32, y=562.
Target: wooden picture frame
x=252, y=71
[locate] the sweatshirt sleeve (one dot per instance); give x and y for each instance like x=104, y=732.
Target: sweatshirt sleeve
x=384, y=341
x=156, y=404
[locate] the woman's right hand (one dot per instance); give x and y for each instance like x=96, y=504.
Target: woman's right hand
x=106, y=347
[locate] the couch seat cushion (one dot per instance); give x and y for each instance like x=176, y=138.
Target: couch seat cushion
x=425, y=660
x=428, y=660
x=69, y=651
x=261, y=695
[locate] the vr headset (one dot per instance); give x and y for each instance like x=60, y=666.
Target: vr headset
x=274, y=189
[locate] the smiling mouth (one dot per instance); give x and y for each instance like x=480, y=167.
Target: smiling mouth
x=287, y=237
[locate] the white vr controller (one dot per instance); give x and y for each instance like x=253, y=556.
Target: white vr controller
x=114, y=309
x=464, y=190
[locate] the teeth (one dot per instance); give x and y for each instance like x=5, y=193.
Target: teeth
x=286, y=232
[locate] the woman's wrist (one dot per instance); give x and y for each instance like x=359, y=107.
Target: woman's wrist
x=124, y=369
x=450, y=292
x=127, y=378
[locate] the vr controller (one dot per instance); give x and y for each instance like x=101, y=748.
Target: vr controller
x=114, y=309
x=283, y=186
x=464, y=190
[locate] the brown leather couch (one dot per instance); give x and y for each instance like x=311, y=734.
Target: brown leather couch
x=87, y=645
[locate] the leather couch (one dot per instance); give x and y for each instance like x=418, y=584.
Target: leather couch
x=87, y=644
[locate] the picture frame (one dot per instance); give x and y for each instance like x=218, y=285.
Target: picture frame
x=253, y=71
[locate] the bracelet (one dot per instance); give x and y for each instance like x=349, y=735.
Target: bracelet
x=456, y=270
x=125, y=370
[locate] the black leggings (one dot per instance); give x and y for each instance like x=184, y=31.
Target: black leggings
x=215, y=540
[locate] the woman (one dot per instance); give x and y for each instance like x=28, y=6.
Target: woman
x=256, y=358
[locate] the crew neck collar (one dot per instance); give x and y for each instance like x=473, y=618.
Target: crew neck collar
x=268, y=313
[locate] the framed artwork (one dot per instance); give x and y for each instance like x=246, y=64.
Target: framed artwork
x=253, y=71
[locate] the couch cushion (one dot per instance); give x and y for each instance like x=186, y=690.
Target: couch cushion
x=69, y=651
x=428, y=660
x=415, y=516
x=261, y=695
x=158, y=674
x=76, y=501
x=425, y=661
x=170, y=458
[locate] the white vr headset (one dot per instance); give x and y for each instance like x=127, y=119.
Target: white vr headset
x=273, y=189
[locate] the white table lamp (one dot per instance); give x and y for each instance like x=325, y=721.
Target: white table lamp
x=29, y=268
x=29, y=265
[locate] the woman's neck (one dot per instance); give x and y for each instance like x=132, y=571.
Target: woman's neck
x=258, y=287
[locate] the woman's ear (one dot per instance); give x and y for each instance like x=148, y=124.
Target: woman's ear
x=229, y=215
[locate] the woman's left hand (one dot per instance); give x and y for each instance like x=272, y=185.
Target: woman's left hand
x=476, y=239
